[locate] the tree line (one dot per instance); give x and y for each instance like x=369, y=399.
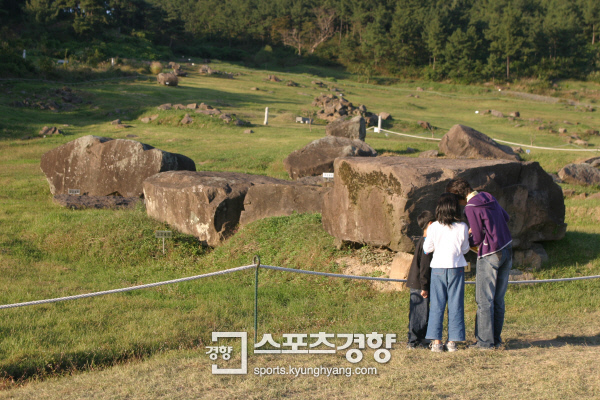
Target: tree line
x=457, y=39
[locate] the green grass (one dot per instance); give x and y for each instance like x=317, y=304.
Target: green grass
x=48, y=251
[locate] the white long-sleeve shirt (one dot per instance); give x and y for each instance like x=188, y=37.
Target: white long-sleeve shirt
x=449, y=244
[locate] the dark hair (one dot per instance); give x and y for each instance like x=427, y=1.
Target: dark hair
x=424, y=219
x=459, y=187
x=448, y=210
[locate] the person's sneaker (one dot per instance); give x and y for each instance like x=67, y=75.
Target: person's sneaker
x=436, y=348
x=451, y=347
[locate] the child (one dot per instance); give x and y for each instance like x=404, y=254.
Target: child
x=418, y=282
x=450, y=239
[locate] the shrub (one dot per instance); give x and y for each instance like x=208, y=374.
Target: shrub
x=156, y=67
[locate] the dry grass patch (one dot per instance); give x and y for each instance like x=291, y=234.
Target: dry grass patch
x=535, y=372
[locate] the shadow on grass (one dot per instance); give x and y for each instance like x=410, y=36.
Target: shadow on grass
x=559, y=341
x=575, y=248
x=69, y=362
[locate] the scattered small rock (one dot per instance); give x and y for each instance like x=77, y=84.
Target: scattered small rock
x=425, y=125
x=429, y=154
x=116, y=122
x=46, y=131
x=165, y=107
x=186, y=120
x=420, y=89
x=562, y=130
x=149, y=119
x=410, y=150
x=497, y=114
x=248, y=131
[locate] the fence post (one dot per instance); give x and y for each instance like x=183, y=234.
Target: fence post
x=266, y=116
x=256, y=261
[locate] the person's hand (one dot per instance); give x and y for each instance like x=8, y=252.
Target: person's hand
x=424, y=294
x=470, y=231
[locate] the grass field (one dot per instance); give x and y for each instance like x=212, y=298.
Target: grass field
x=150, y=343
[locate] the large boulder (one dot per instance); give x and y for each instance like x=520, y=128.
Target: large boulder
x=282, y=199
x=354, y=128
x=205, y=204
x=464, y=142
x=168, y=79
x=594, y=161
x=100, y=166
x=376, y=201
x=580, y=174
x=317, y=156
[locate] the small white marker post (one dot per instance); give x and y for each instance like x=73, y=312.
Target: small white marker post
x=378, y=129
x=266, y=116
x=163, y=235
x=24, y=54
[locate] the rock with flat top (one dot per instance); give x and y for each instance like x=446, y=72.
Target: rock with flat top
x=354, y=128
x=282, y=198
x=376, y=201
x=205, y=204
x=580, y=174
x=318, y=156
x=464, y=142
x=100, y=166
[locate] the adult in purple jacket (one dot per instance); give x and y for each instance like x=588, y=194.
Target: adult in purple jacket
x=488, y=223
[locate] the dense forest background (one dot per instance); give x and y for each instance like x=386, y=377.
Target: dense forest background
x=461, y=40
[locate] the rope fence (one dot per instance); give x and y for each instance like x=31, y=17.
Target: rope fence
x=256, y=265
x=497, y=140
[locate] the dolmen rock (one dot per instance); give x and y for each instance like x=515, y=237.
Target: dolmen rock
x=205, y=204
x=283, y=198
x=376, y=201
x=580, y=174
x=318, y=156
x=168, y=79
x=464, y=142
x=354, y=128
x=100, y=166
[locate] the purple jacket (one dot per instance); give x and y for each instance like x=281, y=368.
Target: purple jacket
x=488, y=223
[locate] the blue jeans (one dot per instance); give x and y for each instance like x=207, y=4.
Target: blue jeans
x=417, y=317
x=490, y=287
x=447, y=286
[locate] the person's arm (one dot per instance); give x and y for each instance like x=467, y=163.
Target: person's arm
x=428, y=245
x=465, y=243
x=425, y=273
x=476, y=229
